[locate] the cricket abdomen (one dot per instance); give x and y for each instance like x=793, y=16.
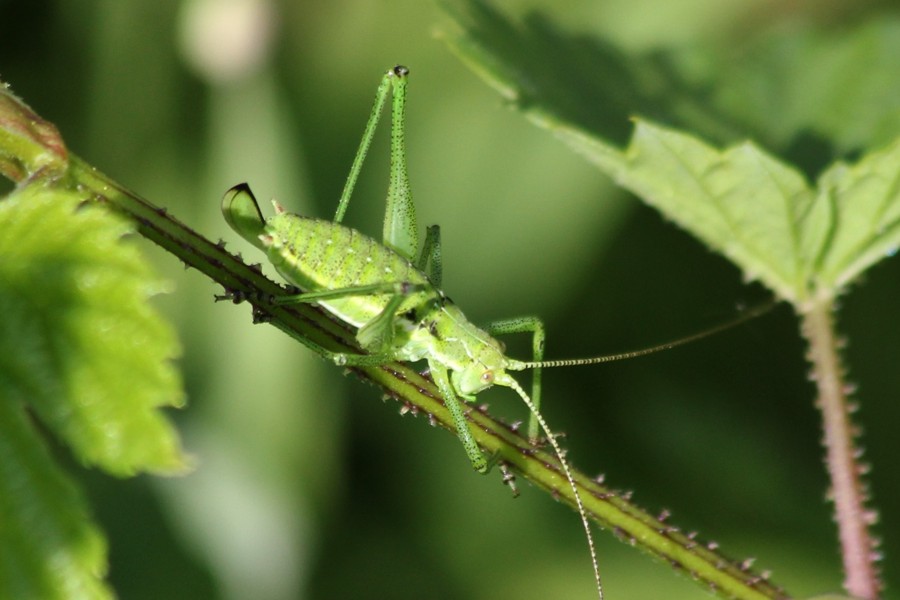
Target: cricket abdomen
x=317, y=255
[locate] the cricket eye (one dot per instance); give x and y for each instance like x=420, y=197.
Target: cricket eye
x=487, y=377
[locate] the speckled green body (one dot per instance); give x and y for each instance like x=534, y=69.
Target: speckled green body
x=399, y=312
x=318, y=255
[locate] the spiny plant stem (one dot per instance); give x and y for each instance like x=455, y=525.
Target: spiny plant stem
x=848, y=491
x=30, y=156
x=418, y=394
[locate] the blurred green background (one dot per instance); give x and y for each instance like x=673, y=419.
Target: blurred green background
x=307, y=485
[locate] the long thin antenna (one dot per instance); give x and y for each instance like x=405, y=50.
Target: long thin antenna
x=572, y=362
x=510, y=382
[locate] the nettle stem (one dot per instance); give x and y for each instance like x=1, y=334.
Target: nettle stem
x=848, y=492
x=31, y=152
x=608, y=508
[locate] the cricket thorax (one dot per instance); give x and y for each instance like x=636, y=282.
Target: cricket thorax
x=473, y=357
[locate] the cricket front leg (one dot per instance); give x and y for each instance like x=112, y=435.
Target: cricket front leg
x=535, y=327
x=457, y=412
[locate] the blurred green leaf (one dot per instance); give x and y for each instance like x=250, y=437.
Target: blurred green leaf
x=758, y=211
x=578, y=78
x=836, y=84
x=82, y=350
x=866, y=197
x=743, y=203
x=777, y=85
x=81, y=345
x=48, y=547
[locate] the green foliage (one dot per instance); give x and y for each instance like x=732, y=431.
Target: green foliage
x=866, y=222
x=84, y=353
x=799, y=240
x=779, y=85
x=806, y=243
x=808, y=91
x=753, y=209
x=803, y=78
x=760, y=212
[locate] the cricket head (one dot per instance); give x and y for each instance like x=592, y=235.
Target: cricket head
x=481, y=363
x=476, y=378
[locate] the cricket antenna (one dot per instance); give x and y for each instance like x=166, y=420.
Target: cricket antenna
x=568, y=473
x=751, y=313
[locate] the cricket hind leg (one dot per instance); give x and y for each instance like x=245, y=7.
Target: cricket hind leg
x=375, y=337
x=361, y=153
x=430, y=261
x=399, y=232
x=394, y=288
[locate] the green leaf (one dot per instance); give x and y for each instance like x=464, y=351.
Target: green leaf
x=804, y=85
x=758, y=211
x=866, y=196
x=79, y=343
x=801, y=76
x=80, y=349
x=741, y=202
x=580, y=79
x=48, y=547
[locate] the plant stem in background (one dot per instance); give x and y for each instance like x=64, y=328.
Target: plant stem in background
x=848, y=491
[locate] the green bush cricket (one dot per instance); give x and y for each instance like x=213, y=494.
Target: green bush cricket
x=391, y=293
x=401, y=313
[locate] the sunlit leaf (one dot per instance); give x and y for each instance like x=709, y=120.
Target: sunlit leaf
x=81, y=346
x=81, y=351
x=866, y=196
x=758, y=211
